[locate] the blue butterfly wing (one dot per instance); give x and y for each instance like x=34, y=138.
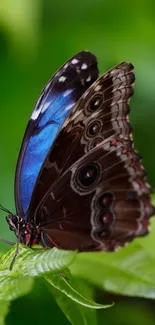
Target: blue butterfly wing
x=55, y=103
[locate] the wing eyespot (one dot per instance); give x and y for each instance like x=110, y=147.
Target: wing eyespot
x=95, y=142
x=95, y=103
x=106, y=219
x=94, y=128
x=88, y=175
x=105, y=200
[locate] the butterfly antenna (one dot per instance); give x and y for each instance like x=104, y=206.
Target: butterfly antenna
x=16, y=252
x=1, y=238
x=5, y=210
x=11, y=243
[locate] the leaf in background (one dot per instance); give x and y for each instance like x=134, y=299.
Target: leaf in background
x=61, y=282
x=148, y=241
x=130, y=271
x=21, y=21
x=76, y=314
x=4, y=308
x=77, y=308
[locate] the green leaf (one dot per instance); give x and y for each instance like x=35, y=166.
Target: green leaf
x=61, y=282
x=35, y=263
x=28, y=264
x=77, y=308
x=13, y=288
x=130, y=271
x=76, y=314
x=4, y=308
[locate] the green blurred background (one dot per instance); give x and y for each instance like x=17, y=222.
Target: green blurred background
x=36, y=38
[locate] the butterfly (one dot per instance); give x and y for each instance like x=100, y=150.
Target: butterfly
x=79, y=181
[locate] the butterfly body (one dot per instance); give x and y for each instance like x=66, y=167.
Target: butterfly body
x=79, y=181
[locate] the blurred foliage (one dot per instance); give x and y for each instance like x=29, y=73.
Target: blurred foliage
x=36, y=37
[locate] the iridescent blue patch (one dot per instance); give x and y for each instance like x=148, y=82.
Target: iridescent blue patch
x=39, y=144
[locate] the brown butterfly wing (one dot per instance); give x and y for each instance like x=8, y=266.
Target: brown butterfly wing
x=96, y=196
x=100, y=203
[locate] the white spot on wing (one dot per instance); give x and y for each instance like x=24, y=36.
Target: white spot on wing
x=66, y=65
x=84, y=66
x=136, y=186
x=67, y=92
x=62, y=78
x=68, y=107
x=98, y=87
x=35, y=114
x=42, y=109
x=45, y=107
x=75, y=61
x=89, y=78
x=85, y=94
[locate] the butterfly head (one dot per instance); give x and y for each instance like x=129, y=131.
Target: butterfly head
x=27, y=233
x=13, y=221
